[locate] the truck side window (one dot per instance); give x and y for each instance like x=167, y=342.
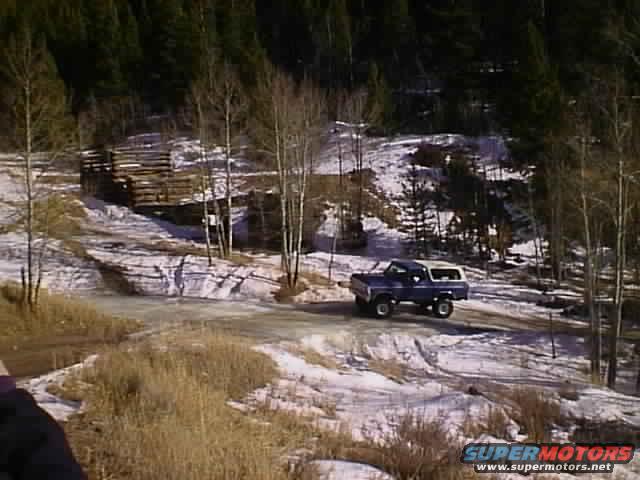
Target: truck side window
x=445, y=274
x=395, y=270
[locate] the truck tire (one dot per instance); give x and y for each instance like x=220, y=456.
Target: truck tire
x=382, y=307
x=362, y=304
x=443, y=308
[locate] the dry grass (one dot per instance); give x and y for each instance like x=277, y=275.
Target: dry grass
x=569, y=392
x=57, y=333
x=178, y=249
x=56, y=315
x=416, y=449
x=496, y=424
x=285, y=294
x=327, y=404
x=316, y=279
x=242, y=259
x=59, y=179
x=534, y=412
x=391, y=369
x=162, y=413
x=184, y=249
x=60, y=215
x=313, y=357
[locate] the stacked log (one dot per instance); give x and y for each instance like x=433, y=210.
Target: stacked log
x=97, y=180
x=136, y=176
x=139, y=162
x=152, y=190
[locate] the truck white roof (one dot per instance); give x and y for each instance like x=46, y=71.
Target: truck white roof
x=438, y=264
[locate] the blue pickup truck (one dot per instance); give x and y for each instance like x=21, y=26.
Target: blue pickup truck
x=434, y=285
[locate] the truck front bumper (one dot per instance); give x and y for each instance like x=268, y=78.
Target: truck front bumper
x=360, y=289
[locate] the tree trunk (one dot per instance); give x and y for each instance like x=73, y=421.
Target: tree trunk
x=205, y=219
x=222, y=247
x=301, y=201
x=588, y=292
x=618, y=299
x=360, y=167
x=536, y=236
x=30, y=294
x=228, y=179
x=285, y=260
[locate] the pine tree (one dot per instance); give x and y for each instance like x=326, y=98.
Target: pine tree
x=131, y=54
x=397, y=38
x=417, y=221
x=238, y=31
x=379, y=102
x=104, y=44
x=536, y=103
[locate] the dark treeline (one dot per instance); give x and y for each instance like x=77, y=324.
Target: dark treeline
x=476, y=56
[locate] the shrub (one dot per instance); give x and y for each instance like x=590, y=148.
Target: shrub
x=56, y=315
x=417, y=448
x=534, y=412
x=430, y=156
x=569, y=392
x=160, y=411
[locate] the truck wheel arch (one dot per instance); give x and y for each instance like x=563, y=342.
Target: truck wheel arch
x=383, y=298
x=443, y=296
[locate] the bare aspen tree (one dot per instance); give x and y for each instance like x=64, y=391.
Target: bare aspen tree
x=556, y=173
x=311, y=111
x=273, y=125
x=360, y=113
x=229, y=108
x=289, y=117
x=587, y=203
x=199, y=120
x=536, y=235
x=618, y=111
x=39, y=126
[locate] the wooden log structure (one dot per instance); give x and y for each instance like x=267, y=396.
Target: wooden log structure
x=135, y=176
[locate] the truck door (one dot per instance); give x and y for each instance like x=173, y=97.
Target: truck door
x=422, y=291
x=399, y=281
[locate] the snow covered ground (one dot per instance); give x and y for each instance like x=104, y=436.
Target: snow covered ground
x=437, y=372
x=57, y=407
x=438, y=369
x=121, y=239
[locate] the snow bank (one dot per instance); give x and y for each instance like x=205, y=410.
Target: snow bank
x=151, y=273
x=58, y=408
x=438, y=373
x=339, y=470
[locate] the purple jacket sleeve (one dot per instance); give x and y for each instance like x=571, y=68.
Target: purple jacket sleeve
x=32, y=444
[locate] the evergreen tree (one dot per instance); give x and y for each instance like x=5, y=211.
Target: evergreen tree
x=104, y=42
x=397, y=38
x=131, y=49
x=417, y=220
x=379, y=102
x=238, y=30
x=535, y=104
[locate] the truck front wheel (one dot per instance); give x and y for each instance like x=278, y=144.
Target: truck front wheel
x=443, y=308
x=382, y=307
x=363, y=305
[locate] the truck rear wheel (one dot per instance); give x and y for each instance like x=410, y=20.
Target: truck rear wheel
x=443, y=308
x=382, y=307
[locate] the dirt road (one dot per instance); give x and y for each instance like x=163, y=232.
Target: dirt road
x=272, y=322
